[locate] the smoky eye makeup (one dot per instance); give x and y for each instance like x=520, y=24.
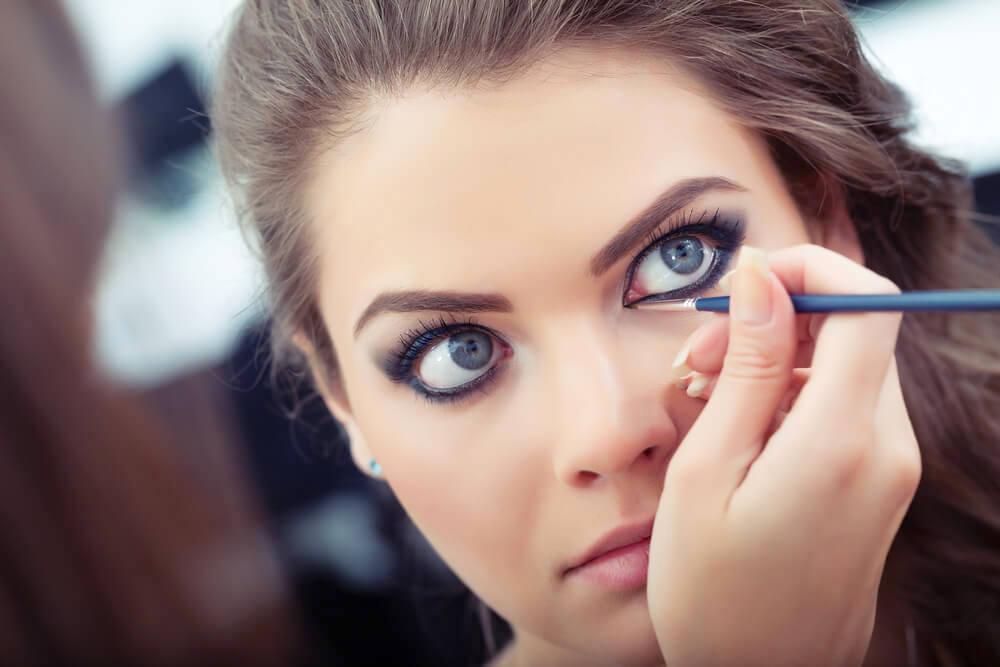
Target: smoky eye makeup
x=446, y=360
x=684, y=257
x=452, y=359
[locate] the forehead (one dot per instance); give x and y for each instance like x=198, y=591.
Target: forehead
x=452, y=188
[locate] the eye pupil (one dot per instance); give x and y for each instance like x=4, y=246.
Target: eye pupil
x=472, y=350
x=683, y=255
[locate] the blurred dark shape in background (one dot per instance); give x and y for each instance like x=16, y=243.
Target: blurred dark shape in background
x=164, y=119
x=986, y=190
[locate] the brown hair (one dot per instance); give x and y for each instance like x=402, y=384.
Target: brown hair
x=299, y=74
x=115, y=549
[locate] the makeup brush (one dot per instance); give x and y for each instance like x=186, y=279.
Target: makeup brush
x=958, y=300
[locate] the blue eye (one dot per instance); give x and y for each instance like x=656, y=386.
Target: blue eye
x=683, y=255
x=684, y=260
x=447, y=361
x=677, y=263
x=460, y=359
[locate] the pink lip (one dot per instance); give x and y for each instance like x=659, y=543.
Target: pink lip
x=617, y=561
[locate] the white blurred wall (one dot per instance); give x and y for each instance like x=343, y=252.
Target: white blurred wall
x=946, y=55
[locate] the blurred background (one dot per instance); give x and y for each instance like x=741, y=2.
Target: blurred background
x=180, y=301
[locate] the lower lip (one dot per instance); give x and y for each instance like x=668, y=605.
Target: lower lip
x=623, y=569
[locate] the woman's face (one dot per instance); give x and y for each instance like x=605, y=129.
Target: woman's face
x=476, y=246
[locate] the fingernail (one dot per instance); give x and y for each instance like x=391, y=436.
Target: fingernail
x=680, y=367
x=683, y=382
x=697, y=385
x=726, y=281
x=751, y=299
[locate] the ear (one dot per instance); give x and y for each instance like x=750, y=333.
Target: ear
x=332, y=391
x=833, y=227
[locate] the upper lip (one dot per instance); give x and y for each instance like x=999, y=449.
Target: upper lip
x=615, y=539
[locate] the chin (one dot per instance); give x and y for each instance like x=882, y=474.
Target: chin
x=637, y=650
x=625, y=638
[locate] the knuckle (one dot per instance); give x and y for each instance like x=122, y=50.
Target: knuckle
x=754, y=361
x=848, y=469
x=813, y=249
x=905, y=472
x=814, y=253
x=882, y=285
x=850, y=459
x=818, y=255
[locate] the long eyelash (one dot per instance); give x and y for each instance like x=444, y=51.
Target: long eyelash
x=727, y=232
x=732, y=229
x=412, y=342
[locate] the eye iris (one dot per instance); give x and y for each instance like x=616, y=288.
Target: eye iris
x=472, y=350
x=683, y=255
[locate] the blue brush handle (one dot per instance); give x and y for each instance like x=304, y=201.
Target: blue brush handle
x=973, y=299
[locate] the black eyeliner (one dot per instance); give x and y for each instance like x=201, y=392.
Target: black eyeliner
x=398, y=363
x=727, y=230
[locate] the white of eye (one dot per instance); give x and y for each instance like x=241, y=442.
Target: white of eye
x=654, y=276
x=441, y=367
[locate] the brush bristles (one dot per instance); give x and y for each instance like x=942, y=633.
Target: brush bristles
x=669, y=305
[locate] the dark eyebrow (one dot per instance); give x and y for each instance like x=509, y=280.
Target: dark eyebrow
x=424, y=300
x=641, y=226
x=635, y=231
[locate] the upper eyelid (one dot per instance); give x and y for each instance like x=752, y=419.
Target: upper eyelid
x=439, y=326
x=678, y=223
x=734, y=227
x=661, y=231
x=440, y=330
x=660, y=234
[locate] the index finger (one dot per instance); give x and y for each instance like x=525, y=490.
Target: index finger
x=853, y=351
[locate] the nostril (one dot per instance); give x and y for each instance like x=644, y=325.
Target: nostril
x=649, y=452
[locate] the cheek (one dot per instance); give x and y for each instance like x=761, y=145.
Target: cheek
x=658, y=338
x=471, y=482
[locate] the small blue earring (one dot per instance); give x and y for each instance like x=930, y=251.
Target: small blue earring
x=374, y=466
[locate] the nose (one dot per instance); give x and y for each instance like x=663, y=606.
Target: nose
x=612, y=419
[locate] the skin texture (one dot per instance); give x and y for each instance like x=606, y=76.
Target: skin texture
x=511, y=190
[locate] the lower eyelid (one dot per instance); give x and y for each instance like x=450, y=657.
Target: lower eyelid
x=481, y=385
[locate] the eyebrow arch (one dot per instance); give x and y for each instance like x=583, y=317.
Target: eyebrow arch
x=425, y=300
x=641, y=226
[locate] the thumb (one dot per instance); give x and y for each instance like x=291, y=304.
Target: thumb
x=756, y=372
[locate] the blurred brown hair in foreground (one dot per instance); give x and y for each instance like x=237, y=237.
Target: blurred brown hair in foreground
x=121, y=543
